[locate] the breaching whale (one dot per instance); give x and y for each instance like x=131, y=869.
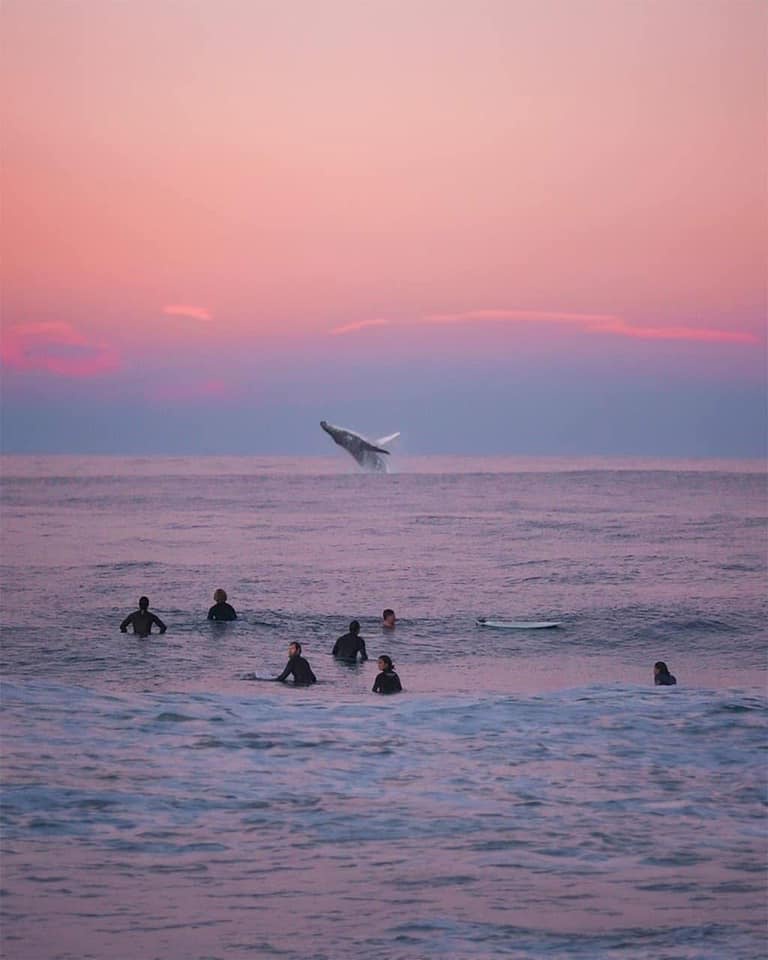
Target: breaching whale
x=367, y=454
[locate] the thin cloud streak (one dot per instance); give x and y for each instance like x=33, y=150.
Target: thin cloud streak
x=553, y=316
x=186, y=310
x=605, y=323
x=702, y=335
x=353, y=327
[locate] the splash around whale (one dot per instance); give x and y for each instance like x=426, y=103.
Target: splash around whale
x=368, y=454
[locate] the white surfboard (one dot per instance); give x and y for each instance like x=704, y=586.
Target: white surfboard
x=517, y=624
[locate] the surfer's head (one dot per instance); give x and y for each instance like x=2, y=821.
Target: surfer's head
x=354, y=627
x=384, y=663
x=220, y=596
x=294, y=649
x=388, y=618
x=660, y=669
x=143, y=603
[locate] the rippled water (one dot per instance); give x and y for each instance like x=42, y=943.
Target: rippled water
x=530, y=794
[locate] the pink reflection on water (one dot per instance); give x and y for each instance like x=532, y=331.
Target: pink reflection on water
x=272, y=889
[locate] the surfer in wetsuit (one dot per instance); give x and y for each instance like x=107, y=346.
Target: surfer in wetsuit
x=348, y=646
x=387, y=681
x=141, y=620
x=221, y=610
x=388, y=619
x=661, y=675
x=298, y=667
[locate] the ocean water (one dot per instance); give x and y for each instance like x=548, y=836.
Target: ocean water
x=529, y=795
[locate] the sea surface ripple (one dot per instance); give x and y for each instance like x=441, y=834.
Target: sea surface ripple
x=529, y=795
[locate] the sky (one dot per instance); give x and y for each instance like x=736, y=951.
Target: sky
x=498, y=226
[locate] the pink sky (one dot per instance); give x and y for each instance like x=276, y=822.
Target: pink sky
x=182, y=178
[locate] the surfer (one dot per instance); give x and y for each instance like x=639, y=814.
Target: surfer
x=298, y=667
x=348, y=646
x=388, y=619
x=221, y=610
x=141, y=620
x=661, y=675
x=387, y=681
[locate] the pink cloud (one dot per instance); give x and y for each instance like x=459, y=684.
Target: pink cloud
x=703, y=335
x=588, y=322
x=353, y=327
x=185, y=310
x=56, y=347
x=553, y=316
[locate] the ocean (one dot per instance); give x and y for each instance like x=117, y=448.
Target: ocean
x=529, y=795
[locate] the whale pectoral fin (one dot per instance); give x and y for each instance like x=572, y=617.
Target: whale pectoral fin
x=382, y=441
x=372, y=448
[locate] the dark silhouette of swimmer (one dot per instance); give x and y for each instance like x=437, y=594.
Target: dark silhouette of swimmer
x=141, y=620
x=661, y=675
x=387, y=681
x=348, y=646
x=388, y=619
x=297, y=667
x=221, y=610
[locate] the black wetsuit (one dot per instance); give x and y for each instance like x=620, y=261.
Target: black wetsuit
x=222, y=611
x=348, y=647
x=665, y=680
x=141, y=621
x=301, y=670
x=387, y=682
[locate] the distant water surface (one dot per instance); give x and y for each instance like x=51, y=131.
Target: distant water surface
x=530, y=795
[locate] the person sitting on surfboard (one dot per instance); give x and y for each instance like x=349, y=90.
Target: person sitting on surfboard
x=387, y=681
x=388, y=619
x=221, y=610
x=297, y=667
x=348, y=646
x=661, y=675
x=141, y=620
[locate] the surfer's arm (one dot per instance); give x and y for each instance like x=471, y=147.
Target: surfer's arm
x=363, y=651
x=124, y=624
x=159, y=622
x=286, y=673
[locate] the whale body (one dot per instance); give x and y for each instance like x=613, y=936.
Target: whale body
x=366, y=453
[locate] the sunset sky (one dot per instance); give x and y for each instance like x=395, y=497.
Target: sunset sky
x=499, y=226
